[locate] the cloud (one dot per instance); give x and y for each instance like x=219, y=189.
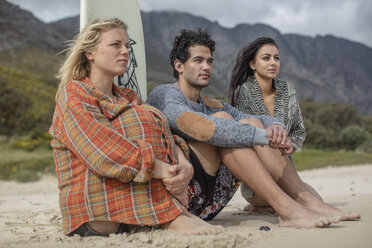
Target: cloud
x=50, y=10
x=348, y=19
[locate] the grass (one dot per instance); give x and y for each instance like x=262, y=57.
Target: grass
x=23, y=166
x=312, y=158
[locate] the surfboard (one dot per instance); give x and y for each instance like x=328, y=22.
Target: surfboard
x=129, y=12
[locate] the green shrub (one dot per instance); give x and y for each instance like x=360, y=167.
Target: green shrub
x=352, y=136
x=366, y=146
x=319, y=137
x=36, y=139
x=26, y=170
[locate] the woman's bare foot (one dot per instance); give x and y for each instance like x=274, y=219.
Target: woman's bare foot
x=305, y=218
x=189, y=224
x=259, y=210
x=329, y=210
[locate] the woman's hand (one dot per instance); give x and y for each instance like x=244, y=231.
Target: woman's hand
x=177, y=185
x=176, y=177
x=183, y=173
x=183, y=198
x=279, y=139
x=288, y=149
x=162, y=170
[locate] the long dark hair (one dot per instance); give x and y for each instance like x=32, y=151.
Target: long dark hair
x=242, y=70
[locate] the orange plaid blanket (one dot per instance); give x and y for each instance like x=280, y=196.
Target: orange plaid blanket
x=104, y=150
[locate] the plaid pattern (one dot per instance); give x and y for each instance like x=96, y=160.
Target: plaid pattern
x=105, y=151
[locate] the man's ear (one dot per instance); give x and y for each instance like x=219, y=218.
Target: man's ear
x=178, y=65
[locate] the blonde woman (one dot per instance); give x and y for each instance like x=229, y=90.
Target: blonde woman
x=117, y=162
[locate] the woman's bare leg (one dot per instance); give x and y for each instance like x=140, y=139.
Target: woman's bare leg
x=104, y=227
x=284, y=173
x=245, y=164
x=258, y=205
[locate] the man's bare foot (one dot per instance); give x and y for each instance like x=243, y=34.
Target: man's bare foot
x=259, y=210
x=326, y=209
x=302, y=217
x=189, y=224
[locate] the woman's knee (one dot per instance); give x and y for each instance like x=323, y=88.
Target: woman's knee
x=253, y=122
x=223, y=114
x=257, y=201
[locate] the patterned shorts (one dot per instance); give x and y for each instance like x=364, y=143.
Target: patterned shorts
x=210, y=194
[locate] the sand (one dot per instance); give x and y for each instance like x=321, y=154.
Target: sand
x=30, y=217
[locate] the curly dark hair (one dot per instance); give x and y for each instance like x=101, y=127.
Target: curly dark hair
x=184, y=40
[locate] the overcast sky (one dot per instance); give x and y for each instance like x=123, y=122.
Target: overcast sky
x=350, y=19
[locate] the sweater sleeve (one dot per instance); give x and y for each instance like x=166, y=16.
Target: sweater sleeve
x=197, y=125
x=297, y=133
x=265, y=119
x=91, y=138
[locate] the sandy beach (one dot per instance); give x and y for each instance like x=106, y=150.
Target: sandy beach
x=30, y=217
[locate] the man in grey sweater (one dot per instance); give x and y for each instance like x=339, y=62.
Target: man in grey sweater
x=228, y=146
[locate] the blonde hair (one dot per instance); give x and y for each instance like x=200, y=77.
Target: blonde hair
x=76, y=65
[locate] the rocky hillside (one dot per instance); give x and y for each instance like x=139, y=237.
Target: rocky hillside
x=26, y=43
x=324, y=68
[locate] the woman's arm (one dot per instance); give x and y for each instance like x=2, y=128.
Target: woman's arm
x=182, y=173
x=297, y=132
x=88, y=133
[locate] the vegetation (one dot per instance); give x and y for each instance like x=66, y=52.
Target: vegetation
x=337, y=134
x=26, y=102
x=312, y=158
x=334, y=126
x=22, y=165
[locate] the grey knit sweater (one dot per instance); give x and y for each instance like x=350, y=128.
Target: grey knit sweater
x=193, y=120
x=249, y=100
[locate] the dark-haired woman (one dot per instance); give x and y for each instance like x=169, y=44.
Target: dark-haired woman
x=255, y=89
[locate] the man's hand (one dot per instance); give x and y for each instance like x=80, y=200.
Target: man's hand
x=278, y=139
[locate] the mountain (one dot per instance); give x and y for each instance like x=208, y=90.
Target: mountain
x=28, y=62
x=323, y=68
x=26, y=43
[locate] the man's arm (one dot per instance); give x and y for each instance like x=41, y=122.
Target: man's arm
x=265, y=119
x=191, y=124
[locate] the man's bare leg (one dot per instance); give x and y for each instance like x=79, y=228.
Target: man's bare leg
x=210, y=163
x=241, y=163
